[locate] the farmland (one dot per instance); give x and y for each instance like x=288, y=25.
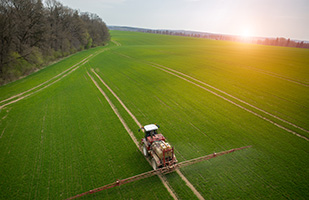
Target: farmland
x=207, y=96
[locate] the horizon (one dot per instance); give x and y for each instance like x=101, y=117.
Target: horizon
x=197, y=31
x=256, y=18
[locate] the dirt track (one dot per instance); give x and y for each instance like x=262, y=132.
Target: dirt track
x=278, y=76
x=125, y=107
x=252, y=106
x=163, y=179
x=61, y=75
x=116, y=43
x=71, y=69
x=191, y=79
x=232, y=102
x=199, y=196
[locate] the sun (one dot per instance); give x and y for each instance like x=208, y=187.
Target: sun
x=246, y=33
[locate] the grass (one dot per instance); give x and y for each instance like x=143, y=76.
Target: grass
x=197, y=122
x=43, y=75
x=59, y=143
x=65, y=139
x=218, y=63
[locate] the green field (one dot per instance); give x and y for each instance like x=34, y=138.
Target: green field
x=62, y=137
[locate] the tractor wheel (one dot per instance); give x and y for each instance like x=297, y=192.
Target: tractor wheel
x=154, y=164
x=145, y=151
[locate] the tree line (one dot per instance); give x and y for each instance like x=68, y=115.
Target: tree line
x=278, y=41
x=34, y=34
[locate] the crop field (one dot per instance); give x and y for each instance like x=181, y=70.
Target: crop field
x=59, y=136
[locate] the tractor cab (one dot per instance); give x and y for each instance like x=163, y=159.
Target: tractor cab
x=150, y=130
x=151, y=134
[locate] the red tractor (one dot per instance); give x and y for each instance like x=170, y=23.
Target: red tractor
x=155, y=146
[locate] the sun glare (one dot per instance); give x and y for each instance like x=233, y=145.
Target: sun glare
x=246, y=33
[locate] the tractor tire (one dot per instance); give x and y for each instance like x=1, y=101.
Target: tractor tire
x=154, y=164
x=145, y=151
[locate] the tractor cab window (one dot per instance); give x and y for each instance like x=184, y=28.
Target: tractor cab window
x=151, y=133
x=154, y=132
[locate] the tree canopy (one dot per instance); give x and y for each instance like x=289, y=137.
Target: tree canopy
x=33, y=34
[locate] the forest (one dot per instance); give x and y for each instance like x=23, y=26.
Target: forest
x=33, y=34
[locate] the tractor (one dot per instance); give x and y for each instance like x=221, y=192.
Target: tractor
x=155, y=147
x=161, y=154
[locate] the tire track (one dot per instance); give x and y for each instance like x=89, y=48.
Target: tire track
x=232, y=102
x=20, y=94
x=124, y=106
x=16, y=100
x=71, y=69
x=2, y=133
x=116, y=43
x=59, y=76
x=229, y=95
x=199, y=196
x=177, y=74
x=162, y=178
x=278, y=76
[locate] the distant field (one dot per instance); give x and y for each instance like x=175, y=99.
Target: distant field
x=61, y=137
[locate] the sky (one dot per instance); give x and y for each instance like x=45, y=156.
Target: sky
x=265, y=18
